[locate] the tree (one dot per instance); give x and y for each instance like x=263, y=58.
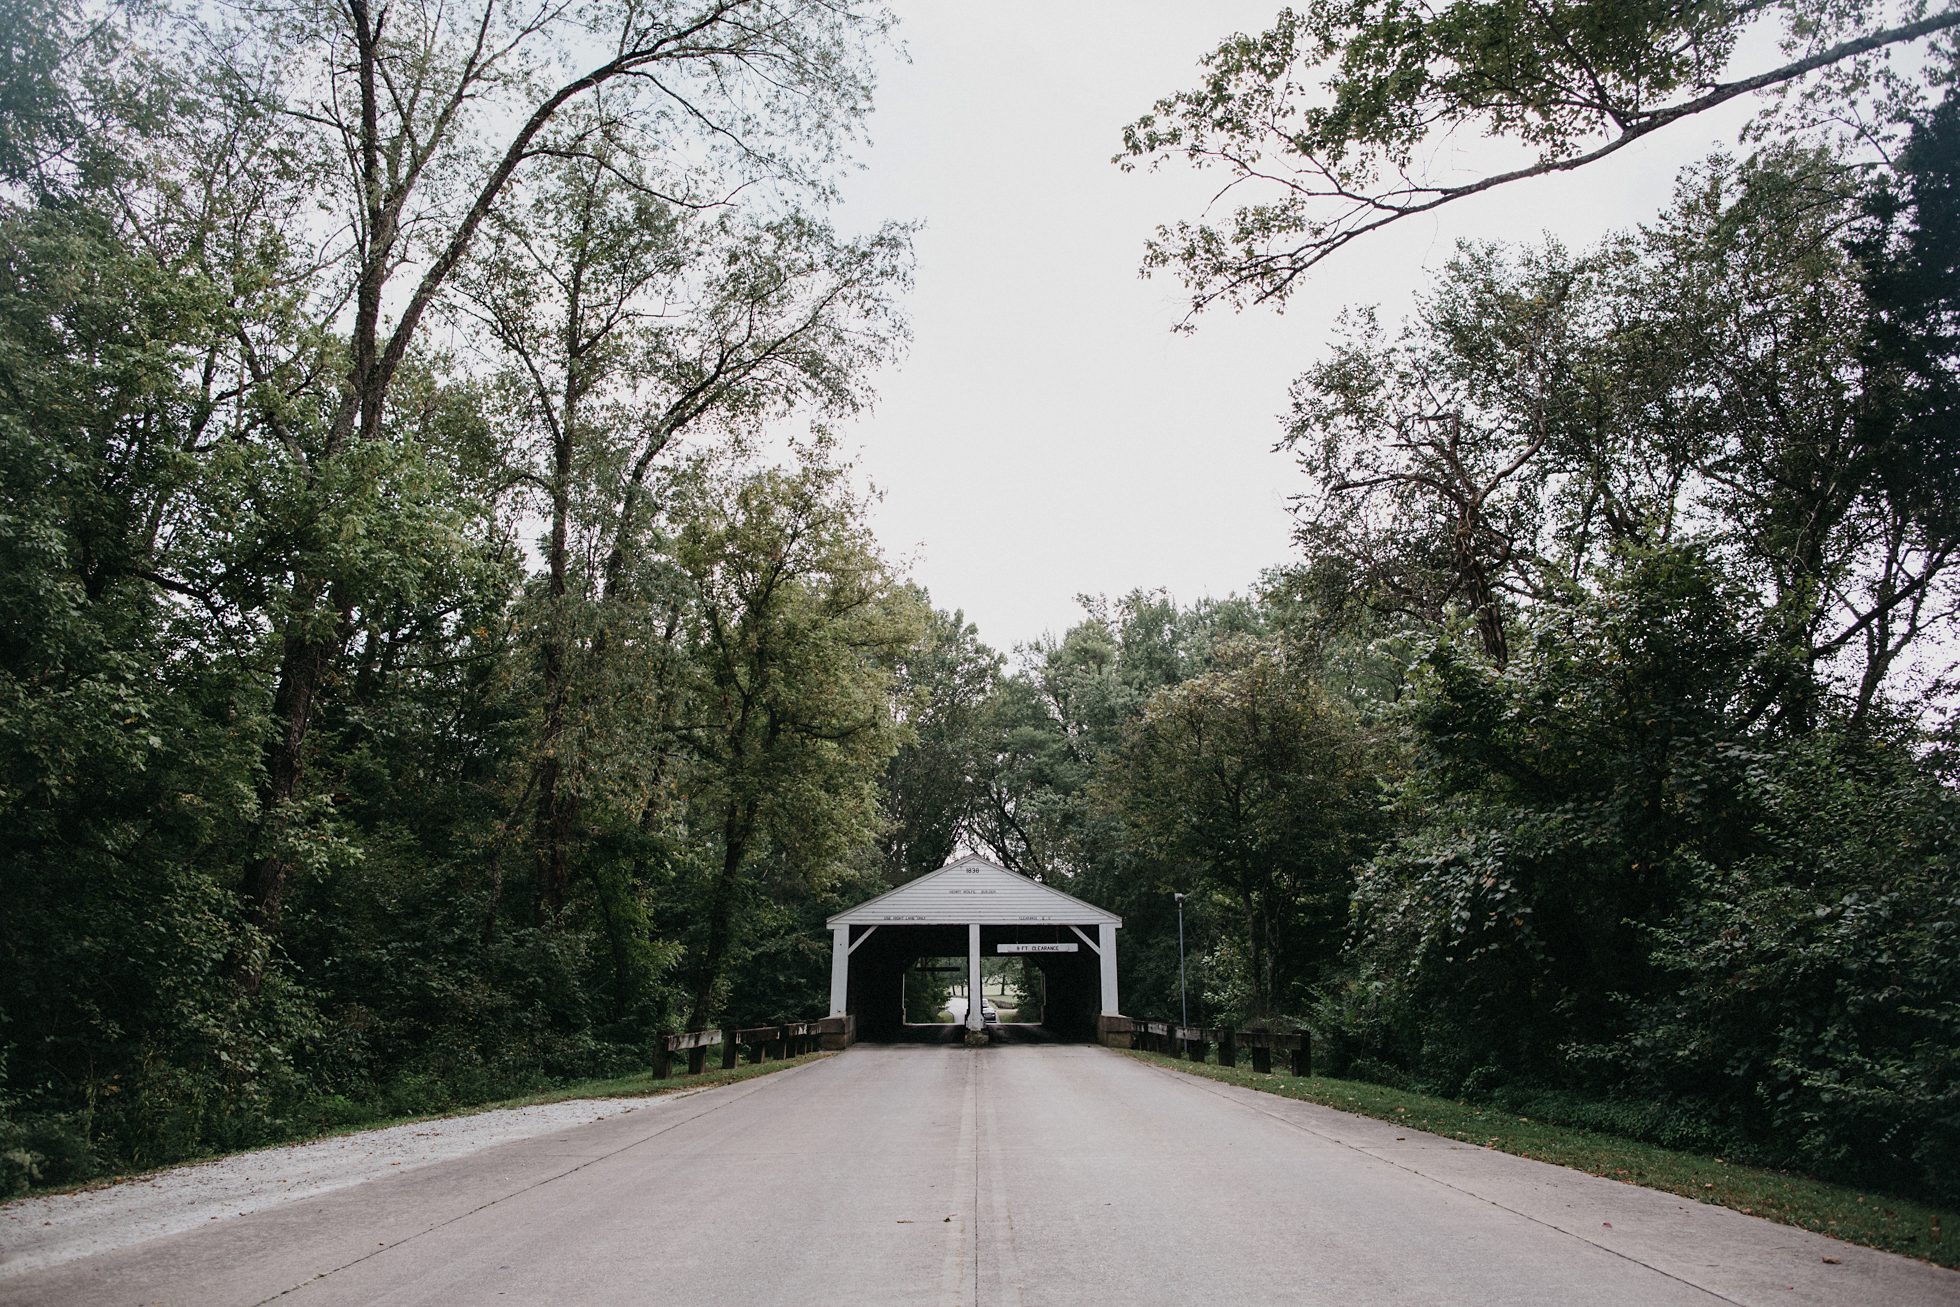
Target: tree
x=1427, y=457
x=930, y=783
x=424, y=119
x=1683, y=382
x=626, y=324
x=1322, y=117
x=1544, y=817
x=793, y=632
x=1049, y=728
x=270, y=623
x=1246, y=782
x=1909, y=257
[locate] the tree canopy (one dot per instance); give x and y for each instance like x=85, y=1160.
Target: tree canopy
x=1323, y=124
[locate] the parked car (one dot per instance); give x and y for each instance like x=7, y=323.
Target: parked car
x=988, y=1012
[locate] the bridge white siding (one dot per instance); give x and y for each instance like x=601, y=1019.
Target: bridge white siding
x=973, y=890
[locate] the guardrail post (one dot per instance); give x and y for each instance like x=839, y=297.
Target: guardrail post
x=663, y=1057
x=1303, y=1054
x=1228, y=1053
x=1262, y=1053
x=727, y=1048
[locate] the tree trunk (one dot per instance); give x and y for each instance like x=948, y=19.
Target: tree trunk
x=306, y=655
x=557, y=801
x=303, y=666
x=1262, y=997
x=736, y=830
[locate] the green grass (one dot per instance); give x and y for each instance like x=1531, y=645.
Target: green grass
x=1876, y=1220
x=633, y=1086
x=639, y=1085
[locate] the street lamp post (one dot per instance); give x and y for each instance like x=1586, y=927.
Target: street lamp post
x=1183, y=1003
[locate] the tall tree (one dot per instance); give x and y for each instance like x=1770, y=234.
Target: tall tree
x=627, y=323
x=1247, y=782
x=931, y=783
x=432, y=116
x=1684, y=382
x=794, y=631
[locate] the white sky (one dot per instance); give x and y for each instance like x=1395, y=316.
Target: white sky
x=1047, y=434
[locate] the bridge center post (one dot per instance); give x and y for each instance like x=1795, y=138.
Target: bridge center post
x=974, y=1020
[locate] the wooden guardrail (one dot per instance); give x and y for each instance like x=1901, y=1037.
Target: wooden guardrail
x=1194, y=1044
x=792, y=1039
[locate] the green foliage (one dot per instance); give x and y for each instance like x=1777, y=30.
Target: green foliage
x=1605, y=881
x=1322, y=121
x=278, y=675
x=1810, y=987
x=926, y=994
x=930, y=799
x=1245, y=782
x=792, y=640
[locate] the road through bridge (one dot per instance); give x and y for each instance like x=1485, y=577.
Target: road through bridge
x=1017, y=1174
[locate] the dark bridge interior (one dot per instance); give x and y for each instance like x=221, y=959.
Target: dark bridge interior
x=878, y=967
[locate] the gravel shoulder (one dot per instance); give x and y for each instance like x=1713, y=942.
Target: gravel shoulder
x=42, y=1231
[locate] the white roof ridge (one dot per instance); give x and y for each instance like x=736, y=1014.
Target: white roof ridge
x=1093, y=914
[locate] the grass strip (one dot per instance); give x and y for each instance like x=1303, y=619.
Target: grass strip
x=638, y=1085
x=1896, y=1225
x=633, y=1086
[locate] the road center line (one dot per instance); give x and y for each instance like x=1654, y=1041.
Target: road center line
x=1001, y=1287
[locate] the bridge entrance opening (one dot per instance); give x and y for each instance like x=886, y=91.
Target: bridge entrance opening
x=908, y=964
x=1011, y=992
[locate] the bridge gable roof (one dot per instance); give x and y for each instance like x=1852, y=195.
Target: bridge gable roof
x=972, y=889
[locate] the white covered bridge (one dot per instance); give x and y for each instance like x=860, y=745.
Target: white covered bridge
x=980, y=909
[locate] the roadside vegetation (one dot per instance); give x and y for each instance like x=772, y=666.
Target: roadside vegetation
x=1581, y=1135
x=637, y=1085
x=441, y=646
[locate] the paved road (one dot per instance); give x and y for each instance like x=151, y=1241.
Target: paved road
x=1017, y=1175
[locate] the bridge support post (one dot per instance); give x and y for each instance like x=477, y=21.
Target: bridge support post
x=1107, y=950
x=840, y=969
x=974, y=1021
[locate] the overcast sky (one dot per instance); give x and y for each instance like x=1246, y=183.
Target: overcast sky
x=1047, y=434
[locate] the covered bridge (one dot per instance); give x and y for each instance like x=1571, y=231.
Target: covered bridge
x=980, y=909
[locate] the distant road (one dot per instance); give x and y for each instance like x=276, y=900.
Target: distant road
x=1034, y=1174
